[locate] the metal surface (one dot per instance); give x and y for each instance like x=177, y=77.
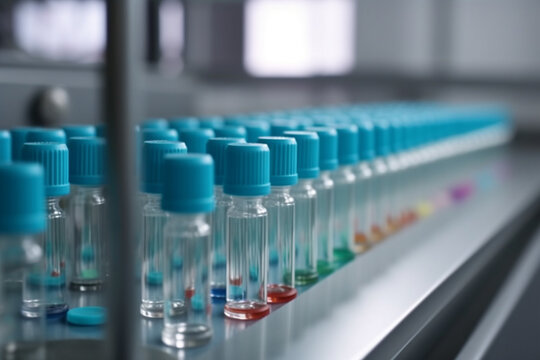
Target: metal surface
x=123, y=66
x=383, y=303
x=496, y=336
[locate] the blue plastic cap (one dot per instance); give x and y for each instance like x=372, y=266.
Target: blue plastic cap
x=366, y=141
x=5, y=147
x=328, y=149
x=196, y=139
x=211, y=122
x=382, y=138
x=18, y=138
x=87, y=161
x=256, y=129
x=155, y=124
x=283, y=158
x=55, y=161
x=79, y=131
x=153, y=154
x=216, y=148
x=248, y=170
x=347, y=144
x=308, y=153
x=46, y=135
x=101, y=130
x=181, y=124
x=188, y=183
x=231, y=131
x=161, y=134
x=22, y=209
x=87, y=316
x=278, y=127
x=396, y=136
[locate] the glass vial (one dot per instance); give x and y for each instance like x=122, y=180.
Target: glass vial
x=188, y=197
x=5, y=147
x=364, y=186
x=20, y=250
x=153, y=224
x=51, y=272
x=344, y=182
x=216, y=148
x=380, y=182
x=247, y=180
x=324, y=186
x=305, y=197
x=281, y=214
x=86, y=208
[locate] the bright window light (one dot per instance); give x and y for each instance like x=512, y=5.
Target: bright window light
x=298, y=38
x=61, y=29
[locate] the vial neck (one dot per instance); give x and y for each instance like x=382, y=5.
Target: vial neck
x=247, y=201
x=189, y=219
x=53, y=203
x=218, y=191
x=153, y=199
x=87, y=189
x=305, y=182
x=325, y=174
x=281, y=189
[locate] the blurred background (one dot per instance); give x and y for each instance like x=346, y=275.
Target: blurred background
x=208, y=57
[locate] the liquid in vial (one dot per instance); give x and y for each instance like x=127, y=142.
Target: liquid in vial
x=153, y=224
x=305, y=198
x=188, y=198
x=280, y=206
x=247, y=180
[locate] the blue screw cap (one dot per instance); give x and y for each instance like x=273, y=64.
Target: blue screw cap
x=256, y=129
x=347, y=144
x=231, y=131
x=18, y=138
x=308, y=153
x=248, y=170
x=279, y=126
x=155, y=124
x=328, y=151
x=216, y=148
x=283, y=158
x=382, y=138
x=153, y=154
x=5, y=147
x=211, y=122
x=87, y=316
x=196, y=139
x=159, y=134
x=87, y=161
x=101, y=130
x=22, y=209
x=396, y=136
x=79, y=131
x=55, y=161
x=366, y=141
x=46, y=135
x=181, y=124
x=188, y=183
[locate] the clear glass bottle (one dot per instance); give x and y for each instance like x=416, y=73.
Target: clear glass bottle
x=364, y=205
x=305, y=197
x=87, y=213
x=88, y=216
x=381, y=185
x=281, y=218
x=51, y=272
x=216, y=148
x=247, y=180
x=344, y=189
x=324, y=186
x=153, y=224
x=20, y=249
x=188, y=197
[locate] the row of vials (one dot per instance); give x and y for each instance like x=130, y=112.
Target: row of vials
x=239, y=210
